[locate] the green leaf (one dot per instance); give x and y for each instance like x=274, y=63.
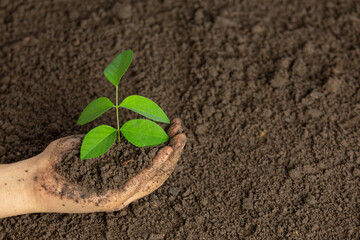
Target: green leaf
x=145, y=107
x=97, y=141
x=143, y=133
x=116, y=69
x=94, y=110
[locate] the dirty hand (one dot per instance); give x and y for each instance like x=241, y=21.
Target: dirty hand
x=33, y=185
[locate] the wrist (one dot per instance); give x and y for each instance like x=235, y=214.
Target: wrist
x=16, y=188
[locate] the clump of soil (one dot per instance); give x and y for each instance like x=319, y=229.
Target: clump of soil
x=109, y=171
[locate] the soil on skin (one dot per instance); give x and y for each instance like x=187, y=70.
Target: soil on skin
x=268, y=92
x=107, y=172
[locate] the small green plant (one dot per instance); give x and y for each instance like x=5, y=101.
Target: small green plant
x=140, y=132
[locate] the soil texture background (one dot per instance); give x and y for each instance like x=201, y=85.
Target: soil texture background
x=268, y=92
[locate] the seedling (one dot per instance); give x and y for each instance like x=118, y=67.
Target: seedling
x=139, y=132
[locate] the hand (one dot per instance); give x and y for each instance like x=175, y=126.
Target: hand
x=44, y=190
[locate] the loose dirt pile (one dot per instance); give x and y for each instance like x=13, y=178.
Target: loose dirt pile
x=109, y=171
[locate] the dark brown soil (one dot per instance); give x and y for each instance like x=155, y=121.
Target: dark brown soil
x=268, y=91
x=107, y=172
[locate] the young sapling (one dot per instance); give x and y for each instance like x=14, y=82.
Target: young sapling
x=139, y=132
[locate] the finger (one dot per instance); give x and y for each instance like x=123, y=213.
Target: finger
x=50, y=155
x=164, y=162
x=161, y=157
x=175, y=128
x=176, y=120
x=148, y=188
x=164, y=172
x=145, y=176
x=137, y=182
x=178, y=144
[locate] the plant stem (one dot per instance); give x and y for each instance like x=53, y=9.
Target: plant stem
x=117, y=111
